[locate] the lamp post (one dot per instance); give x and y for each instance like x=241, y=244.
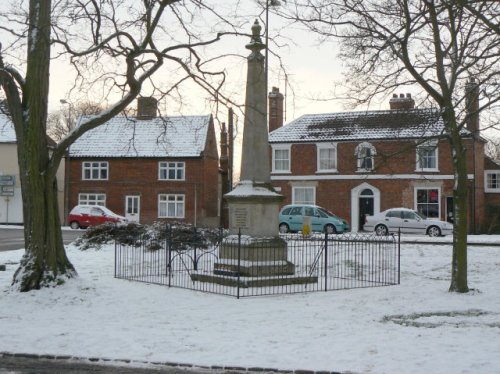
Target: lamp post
x=66, y=166
x=266, y=66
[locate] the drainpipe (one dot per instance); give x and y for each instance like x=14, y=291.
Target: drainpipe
x=195, y=204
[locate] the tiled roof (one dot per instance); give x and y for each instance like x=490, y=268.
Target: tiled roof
x=7, y=133
x=176, y=136
x=368, y=125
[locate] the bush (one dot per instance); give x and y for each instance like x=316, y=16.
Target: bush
x=183, y=236
x=96, y=236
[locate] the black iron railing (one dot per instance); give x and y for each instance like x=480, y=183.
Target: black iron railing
x=240, y=266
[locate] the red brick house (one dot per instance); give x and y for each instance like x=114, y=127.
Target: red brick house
x=148, y=168
x=357, y=163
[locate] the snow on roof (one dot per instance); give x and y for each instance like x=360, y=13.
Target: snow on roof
x=7, y=133
x=369, y=125
x=175, y=136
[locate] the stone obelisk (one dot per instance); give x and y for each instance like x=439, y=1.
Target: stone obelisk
x=258, y=257
x=253, y=203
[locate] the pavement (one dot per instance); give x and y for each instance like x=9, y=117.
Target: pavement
x=16, y=363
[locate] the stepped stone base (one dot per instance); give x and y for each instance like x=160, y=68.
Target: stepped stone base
x=258, y=262
x=247, y=282
x=254, y=268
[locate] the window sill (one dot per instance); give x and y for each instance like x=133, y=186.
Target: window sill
x=364, y=171
x=492, y=190
x=427, y=171
x=280, y=172
x=332, y=171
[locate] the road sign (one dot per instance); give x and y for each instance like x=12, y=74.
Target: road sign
x=7, y=180
x=6, y=190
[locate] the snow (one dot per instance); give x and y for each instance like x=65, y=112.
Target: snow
x=174, y=136
x=416, y=327
x=248, y=188
x=362, y=126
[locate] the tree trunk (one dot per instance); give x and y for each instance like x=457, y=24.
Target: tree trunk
x=460, y=199
x=44, y=262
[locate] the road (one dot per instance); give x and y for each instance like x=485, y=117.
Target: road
x=13, y=238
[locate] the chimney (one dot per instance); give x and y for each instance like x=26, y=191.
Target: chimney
x=147, y=107
x=401, y=102
x=275, y=109
x=472, y=105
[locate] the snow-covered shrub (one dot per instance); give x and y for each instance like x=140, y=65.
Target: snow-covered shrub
x=181, y=235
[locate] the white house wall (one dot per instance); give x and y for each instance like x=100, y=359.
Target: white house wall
x=11, y=207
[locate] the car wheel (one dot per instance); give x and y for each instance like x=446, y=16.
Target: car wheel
x=434, y=231
x=74, y=225
x=381, y=230
x=330, y=229
x=284, y=228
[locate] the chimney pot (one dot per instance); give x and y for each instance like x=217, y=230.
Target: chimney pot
x=401, y=102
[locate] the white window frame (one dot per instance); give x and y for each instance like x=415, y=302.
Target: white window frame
x=178, y=201
x=360, y=147
x=92, y=166
x=165, y=167
x=295, y=191
x=429, y=144
x=438, y=199
x=92, y=199
x=487, y=187
x=281, y=147
x=321, y=147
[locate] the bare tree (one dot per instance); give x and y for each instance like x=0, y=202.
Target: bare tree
x=492, y=149
x=116, y=48
x=437, y=45
x=60, y=123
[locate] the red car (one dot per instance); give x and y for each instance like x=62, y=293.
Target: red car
x=82, y=216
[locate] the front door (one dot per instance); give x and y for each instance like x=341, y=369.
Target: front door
x=132, y=208
x=365, y=206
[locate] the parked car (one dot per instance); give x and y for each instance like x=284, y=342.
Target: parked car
x=291, y=219
x=83, y=216
x=408, y=220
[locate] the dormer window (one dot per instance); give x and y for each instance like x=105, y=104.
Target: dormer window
x=365, y=152
x=427, y=156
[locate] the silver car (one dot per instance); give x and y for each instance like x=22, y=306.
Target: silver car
x=408, y=221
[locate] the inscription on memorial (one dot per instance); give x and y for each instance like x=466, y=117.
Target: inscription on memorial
x=240, y=216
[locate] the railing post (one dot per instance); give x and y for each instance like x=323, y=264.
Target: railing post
x=239, y=263
x=168, y=243
x=399, y=256
x=326, y=261
x=116, y=258
x=195, y=259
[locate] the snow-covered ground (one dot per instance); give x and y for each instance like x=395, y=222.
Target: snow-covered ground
x=416, y=327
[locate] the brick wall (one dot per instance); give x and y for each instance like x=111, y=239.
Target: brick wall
x=393, y=157
x=140, y=177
